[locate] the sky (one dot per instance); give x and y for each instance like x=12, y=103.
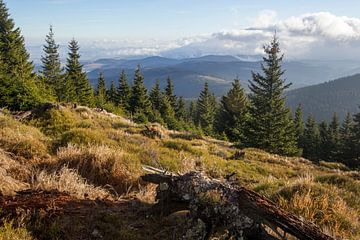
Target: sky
x=182, y=28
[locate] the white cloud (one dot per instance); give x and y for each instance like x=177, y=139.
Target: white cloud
x=319, y=35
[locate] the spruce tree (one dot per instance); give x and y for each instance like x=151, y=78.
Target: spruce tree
x=334, y=138
x=112, y=93
x=233, y=113
x=156, y=103
x=140, y=104
x=169, y=91
x=78, y=86
x=155, y=96
x=206, y=107
x=346, y=144
x=270, y=127
x=101, y=92
x=299, y=123
x=311, y=140
x=19, y=88
x=356, y=141
x=168, y=113
x=325, y=145
x=51, y=71
x=192, y=112
x=124, y=92
x=180, y=111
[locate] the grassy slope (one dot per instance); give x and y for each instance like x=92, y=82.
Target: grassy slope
x=99, y=155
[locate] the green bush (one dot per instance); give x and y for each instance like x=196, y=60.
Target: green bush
x=81, y=136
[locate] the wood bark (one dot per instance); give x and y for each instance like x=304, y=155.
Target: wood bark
x=244, y=213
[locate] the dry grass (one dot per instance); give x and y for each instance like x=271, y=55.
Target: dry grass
x=20, y=139
x=9, y=170
x=102, y=165
x=9, y=232
x=69, y=181
x=321, y=205
x=97, y=153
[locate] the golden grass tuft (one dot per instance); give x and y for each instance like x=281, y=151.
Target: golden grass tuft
x=69, y=181
x=20, y=139
x=102, y=165
x=9, y=232
x=321, y=205
x=9, y=169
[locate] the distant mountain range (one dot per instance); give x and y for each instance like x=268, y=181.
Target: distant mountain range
x=341, y=96
x=189, y=74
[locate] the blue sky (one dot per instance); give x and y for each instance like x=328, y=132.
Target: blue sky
x=311, y=29
x=160, y=19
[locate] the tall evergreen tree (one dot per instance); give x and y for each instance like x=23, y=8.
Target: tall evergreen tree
x=206, y=107
x=334, y=138
x=169, y=91
x=233, y=113
x=124, y=92
x=51, y=66
x=140, y=104
x=192, y=112
x=311, y=140
x=180, y=111
x=112, y=93
x=156, y=99
x=356, y=141
x=346, y=144
x=168, y=113
x=19, y=88
x=101, y=92
x=299, y=124
x=325, y=145
x=270, y=127
x=78, y=88
x=155, y=96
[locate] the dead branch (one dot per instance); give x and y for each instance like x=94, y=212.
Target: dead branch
x=244, y=213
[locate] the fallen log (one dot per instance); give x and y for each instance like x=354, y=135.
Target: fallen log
x=219, y=204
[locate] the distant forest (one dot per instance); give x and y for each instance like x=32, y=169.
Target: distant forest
x=341, y=96
x=259, y=119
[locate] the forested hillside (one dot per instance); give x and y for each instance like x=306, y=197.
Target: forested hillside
x=341, y=96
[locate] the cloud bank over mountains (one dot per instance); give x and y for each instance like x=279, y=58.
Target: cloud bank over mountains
x=320, y=35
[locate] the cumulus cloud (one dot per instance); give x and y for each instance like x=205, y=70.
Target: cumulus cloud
x=320, y=35
x=313, y=35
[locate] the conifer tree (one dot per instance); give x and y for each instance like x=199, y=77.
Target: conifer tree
x=124, y=92
x=299, y=123
x=168, y=113
x=78, y=88
x=140, y=104
x=346, y=144
x=51, y=66
x=19, y=88
x=101, y=92
x=180, y=111
x=206, y=107
x=112, y=93
x=356, y=140
x=334, y=138
x=192, y=112
x=233, y=113
x=169, y=91
x=156, y=102
x=155, y=96
x=270, y=127
x=311, y=140
x=325, y=145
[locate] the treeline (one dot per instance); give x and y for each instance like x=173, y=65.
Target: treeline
x=259, y=119
x=330, y=141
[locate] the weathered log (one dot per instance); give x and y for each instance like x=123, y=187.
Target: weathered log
x=244, y=213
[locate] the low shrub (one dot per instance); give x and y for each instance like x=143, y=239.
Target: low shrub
x=20, y=139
